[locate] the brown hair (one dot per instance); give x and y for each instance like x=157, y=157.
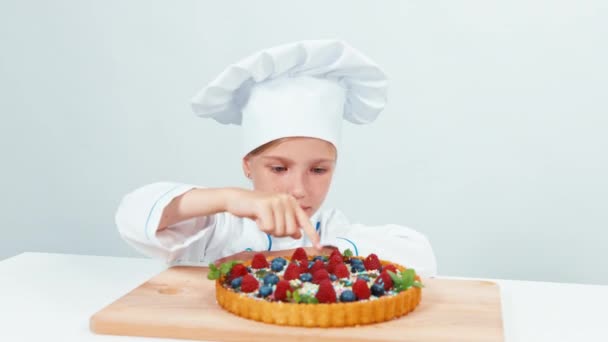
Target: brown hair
x=266, y=146
x=272, y=143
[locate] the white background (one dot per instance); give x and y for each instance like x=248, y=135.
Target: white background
x=493, y=144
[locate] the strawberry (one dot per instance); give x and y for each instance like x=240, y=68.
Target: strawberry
x=326, y=292
x=249, y=283
x=386, y=279
x=281, y=291
x=361, y=289
x=333, y=261
x=391, y=268
x=303, y=266
x=341, y=271
x=299, y=254
x=336, y=252
x=319, y=276
x=292, y=272
x=259, y=261
x=237, y=270
x=372, y=262
x=318, y=265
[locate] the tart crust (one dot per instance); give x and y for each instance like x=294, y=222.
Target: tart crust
x=319, y=315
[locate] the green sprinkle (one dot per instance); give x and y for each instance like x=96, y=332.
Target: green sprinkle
x=261, y=273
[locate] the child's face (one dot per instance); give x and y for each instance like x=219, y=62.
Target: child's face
x=300, y=166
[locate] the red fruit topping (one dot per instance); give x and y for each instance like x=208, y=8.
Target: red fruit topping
x=303, y=266
x=281, y=291
x=372, y=262
x=386, y=279
x=361, y=289
x=292, y=272
x=319, y=276
x=259, y=261
x=318, y=265
x=237, y=270
x=336, y=252
x=249, y=283
x=326, y=292
x=299, y=254
x=333, y=261
x=391, y=268
x=341, y=271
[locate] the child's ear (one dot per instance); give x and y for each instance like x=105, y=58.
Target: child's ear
x=246, y=168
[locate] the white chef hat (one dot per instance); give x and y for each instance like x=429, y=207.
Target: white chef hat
x=303, y=89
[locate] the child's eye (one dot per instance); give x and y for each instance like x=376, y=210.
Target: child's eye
x=319, y=170
x=278, y=169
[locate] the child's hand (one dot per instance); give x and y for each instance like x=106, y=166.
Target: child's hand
x=275, y=214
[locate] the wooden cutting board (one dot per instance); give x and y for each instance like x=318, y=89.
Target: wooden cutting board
x=180, y=303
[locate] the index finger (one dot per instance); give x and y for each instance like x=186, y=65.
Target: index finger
x=308, y=228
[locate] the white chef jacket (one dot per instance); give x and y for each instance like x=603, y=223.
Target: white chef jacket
x=202, y=240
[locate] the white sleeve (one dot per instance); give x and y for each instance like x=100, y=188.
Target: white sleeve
x=139, y=214
x=399, y=244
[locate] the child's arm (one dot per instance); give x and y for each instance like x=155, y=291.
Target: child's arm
x=194, y=203
x=276, y=214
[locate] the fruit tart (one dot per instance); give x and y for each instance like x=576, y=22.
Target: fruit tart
x=316, y=291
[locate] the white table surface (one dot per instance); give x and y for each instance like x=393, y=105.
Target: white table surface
x=50, y=297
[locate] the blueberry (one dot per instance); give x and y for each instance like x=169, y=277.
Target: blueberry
x=378, y=290
x=348, y=296
x=249, y=269
x=318, y=257
x=271, y=279
x=265, y=290
x=357, y=268
x=356, y=262
x=305, y=277
x=280, y=260
x=276, y=266
x=310, y=263
x=333, y=277
x=236, y=282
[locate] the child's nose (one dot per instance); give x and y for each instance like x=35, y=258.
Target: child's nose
x=298, y=188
